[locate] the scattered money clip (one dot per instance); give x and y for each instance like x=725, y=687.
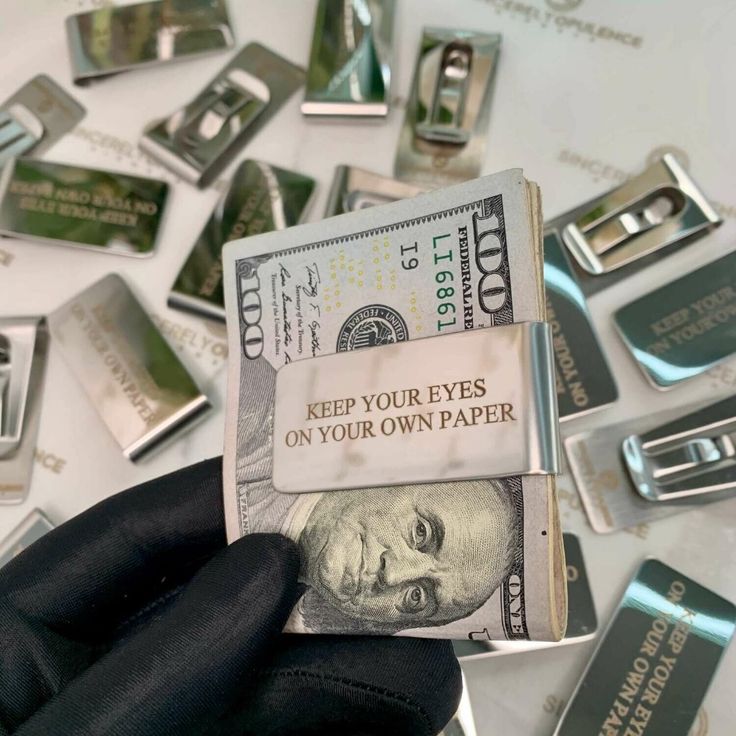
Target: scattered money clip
x=198, y=140
x=582, y=622
x=684, y=328
x=110, y=40
x=132, y=376
x=655, y=662
x=33, y=527
x=356, y=189
x=443, y=137
x=62, y=204
x=35, y=117
x=628, y=228
x=691, y=457
x=23, y=352
x=260, y=198
x=350, y=63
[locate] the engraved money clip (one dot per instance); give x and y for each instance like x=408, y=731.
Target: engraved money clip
x=349, y=64
x=686, y=458
x=260, y=198
x=630, y=227
x=110, y=40
x=132, y=376
x=35, y=117
x=198, y=140
x=356, y=189
x=33, y=527
x=23, y=350
x=447, y=114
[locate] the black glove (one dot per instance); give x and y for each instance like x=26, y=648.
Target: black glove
x=135, y=618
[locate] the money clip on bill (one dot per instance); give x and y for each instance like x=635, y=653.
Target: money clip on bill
x=689, y=457
x=629, y=227
x=37, y=115
x=199, y=139
x=23, y=350
x=419, y=411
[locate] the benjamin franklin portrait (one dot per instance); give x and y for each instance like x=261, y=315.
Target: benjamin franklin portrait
x=380, y=560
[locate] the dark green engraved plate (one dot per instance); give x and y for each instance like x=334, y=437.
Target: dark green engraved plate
x=71, y=205
x=261, y=197
x=651, y=671
x=685, y=327
x=584, y=380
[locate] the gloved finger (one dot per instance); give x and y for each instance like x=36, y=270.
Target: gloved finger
x=83, y=578
x=182, y=672
x=353, y=685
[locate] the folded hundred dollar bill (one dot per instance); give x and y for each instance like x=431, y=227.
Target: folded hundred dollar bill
x=478, y=558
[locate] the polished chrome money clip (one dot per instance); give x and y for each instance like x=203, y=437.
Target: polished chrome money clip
x=202, y=137
x=630, y=227
x=23, y=350
x=350, y=65
x=32, y=528
x=35, y=117
x=444, y=132
x=686, y=458
x=110, y=40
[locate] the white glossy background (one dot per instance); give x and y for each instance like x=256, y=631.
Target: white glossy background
x=559, y=94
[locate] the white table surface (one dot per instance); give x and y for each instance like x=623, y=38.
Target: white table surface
x=587, y=92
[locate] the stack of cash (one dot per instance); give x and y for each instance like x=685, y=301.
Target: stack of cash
x=478, y=558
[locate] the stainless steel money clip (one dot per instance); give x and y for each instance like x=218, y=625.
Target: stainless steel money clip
x=35, y=117
x=32, y=528
x=110, y=40
x=631, y=226
x=23, y=349
x=443, y=137
x=689, y=457
x=349, y=64
x=200, y=138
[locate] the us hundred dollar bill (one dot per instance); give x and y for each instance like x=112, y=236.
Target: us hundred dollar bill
x=464, y=559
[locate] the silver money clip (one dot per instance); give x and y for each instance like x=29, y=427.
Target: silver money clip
x=198, y=140
x=110, y=40
x=32, y=528
x=444, y=131
x=692, y=456
x=23, y=351
x=350, y=62
x=628, y=228
x=35, y=117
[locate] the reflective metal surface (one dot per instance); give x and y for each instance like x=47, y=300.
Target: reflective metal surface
x=131, y=375
x=23, y=354
x=652, y=669
x=260, y=198
x=685, y=327
x=447, y=114
x=356, y=189
x=350, y=61
x=198, y=140
x=689, y=457
x=33, y=527
x=70, y=205
x=582, y=622
x=584, y=380
x=628, y=228
x=114, y=39
x=35, y=117
x=463, y=722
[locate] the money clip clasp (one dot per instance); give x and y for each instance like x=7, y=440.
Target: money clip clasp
x=20, y=130
x=679, y=462
x=661, y=206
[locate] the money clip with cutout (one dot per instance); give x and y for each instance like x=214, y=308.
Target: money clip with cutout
x=35, y=117
x=630, y=227
x=201, y=138
x=444, y=131
x=692, y=456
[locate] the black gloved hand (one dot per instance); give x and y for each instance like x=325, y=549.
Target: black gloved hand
x=134, y=618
